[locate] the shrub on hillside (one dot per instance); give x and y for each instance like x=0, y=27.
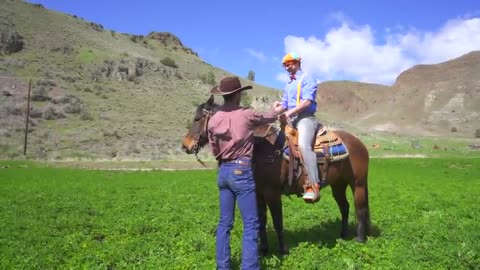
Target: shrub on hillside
x=208, y=78
x=453, y=129
x=85, y=116
x=169, y=62
x=40, y=94
x=52, y=113
x=477, y=133
x=136, y=38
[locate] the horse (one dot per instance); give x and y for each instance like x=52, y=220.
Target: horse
x=271, y=170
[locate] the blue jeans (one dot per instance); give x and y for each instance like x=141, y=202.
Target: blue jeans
x=236, y=184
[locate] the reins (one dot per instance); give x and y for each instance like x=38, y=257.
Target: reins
x=196, y=148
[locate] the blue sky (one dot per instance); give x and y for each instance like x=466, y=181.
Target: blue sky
x=370, y=41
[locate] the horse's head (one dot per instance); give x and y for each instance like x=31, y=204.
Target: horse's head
x=196, y=136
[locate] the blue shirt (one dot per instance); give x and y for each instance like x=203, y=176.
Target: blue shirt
x=308, y=91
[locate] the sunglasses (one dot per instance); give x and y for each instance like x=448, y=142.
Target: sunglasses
x=288, y=64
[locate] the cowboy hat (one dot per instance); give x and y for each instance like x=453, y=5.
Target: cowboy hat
x=229, y=85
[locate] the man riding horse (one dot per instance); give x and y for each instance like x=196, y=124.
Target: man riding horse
x=299, y=106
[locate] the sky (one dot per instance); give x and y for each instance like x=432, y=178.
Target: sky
x=367, y=41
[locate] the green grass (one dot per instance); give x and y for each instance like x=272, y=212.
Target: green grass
x=86, y=56
x=401, y=145
x=423, y=211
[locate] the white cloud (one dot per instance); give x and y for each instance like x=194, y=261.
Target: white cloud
x=259, y=55
x=353, y=52
x=283, y=77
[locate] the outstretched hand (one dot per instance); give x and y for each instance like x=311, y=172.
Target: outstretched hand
x=282, y=118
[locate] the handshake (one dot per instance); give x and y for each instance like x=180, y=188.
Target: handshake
x=277, y=107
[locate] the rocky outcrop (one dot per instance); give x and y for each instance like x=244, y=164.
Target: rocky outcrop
x=170, y=40
x=96, y=27
x=125, y=69
x=10, y=42
x=52, y=113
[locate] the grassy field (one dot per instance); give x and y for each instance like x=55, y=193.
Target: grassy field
x=424, y=213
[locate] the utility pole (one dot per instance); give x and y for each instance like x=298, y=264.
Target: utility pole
x=27, y=116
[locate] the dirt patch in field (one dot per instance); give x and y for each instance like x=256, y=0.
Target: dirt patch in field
x=135, y=165
x=402, y=156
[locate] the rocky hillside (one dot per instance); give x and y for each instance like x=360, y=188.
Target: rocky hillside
x=434, y=100
x=100, y=94
x=96, y=93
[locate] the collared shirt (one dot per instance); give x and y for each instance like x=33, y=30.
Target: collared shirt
x=308, y=91
x=230, y=131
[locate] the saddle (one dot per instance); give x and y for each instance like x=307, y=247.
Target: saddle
x=327, y=145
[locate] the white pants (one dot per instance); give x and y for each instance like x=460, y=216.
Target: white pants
x=307, y=126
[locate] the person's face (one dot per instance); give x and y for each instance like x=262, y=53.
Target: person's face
x=291, y=67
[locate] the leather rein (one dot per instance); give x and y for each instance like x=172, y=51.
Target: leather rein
x=196, y=147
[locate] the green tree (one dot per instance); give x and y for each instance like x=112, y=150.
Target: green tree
x=251, y=75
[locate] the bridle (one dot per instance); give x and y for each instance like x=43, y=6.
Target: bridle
x=279, y=149
x=206, y=114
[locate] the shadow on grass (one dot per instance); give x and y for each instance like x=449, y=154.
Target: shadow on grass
x=325, y=234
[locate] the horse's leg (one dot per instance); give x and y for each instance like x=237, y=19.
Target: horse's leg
x=262, y=217
x=274, y=202
x=360, y=194
x=339, y=193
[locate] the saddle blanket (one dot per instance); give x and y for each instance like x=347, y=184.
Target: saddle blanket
x=333, y=151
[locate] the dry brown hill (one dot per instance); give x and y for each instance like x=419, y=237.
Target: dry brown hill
x=425, y=100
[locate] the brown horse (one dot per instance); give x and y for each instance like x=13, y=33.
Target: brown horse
x=271, y=173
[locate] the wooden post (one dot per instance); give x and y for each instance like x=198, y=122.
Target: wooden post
x=27, y=116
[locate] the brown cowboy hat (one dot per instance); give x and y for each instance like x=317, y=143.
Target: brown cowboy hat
x=229, y=85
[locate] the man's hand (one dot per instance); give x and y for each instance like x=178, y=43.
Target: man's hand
x=282, y=118
x=277, y=107
x=288, y=114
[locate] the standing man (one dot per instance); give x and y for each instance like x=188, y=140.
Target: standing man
x=299, y=105
x=230, y=135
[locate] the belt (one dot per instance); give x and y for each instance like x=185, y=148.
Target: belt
x=236, y=161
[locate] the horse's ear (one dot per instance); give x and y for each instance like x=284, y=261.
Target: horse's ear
x=211, y=100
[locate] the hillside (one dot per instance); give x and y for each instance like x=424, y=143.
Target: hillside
x=100, y=94
x=436, y=99
x=428, y=100
x=96, y=93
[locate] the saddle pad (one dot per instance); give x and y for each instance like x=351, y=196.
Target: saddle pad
x=335, y=150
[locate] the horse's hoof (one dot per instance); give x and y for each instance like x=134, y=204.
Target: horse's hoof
x=284, y=251
x=361, y=239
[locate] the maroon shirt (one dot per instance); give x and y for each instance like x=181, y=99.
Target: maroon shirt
x=230, y=131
